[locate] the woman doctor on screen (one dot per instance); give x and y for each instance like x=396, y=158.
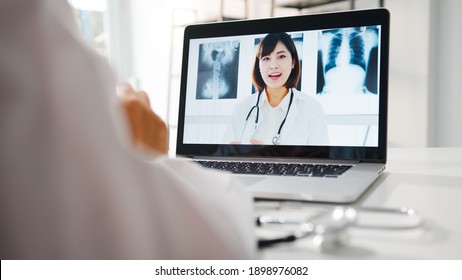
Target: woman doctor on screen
x=278, y=114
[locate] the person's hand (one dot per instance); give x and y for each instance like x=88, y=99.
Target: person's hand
x=149, y=132
x=256, y=142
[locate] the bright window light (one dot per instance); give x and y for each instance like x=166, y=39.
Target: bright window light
x=89, y=5
x=90, y=16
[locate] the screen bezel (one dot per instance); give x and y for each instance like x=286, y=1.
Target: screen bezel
x=291, y=24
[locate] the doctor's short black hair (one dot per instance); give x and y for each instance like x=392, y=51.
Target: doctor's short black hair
x=266, y=46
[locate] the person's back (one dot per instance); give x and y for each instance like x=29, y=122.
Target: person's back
x=70, y=185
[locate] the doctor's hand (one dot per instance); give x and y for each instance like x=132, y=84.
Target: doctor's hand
x=149, y=133
x=256, y=142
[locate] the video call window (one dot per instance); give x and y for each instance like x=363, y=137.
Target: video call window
x=339, y=70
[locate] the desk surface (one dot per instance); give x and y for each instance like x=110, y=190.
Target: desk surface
x=426, y=179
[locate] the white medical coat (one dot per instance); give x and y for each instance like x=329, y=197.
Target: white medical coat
x=305, y=123
x=71, y=187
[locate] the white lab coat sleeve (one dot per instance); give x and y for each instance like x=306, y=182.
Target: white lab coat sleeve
x=317, y=132
x=70, y=185
x=219, y=198
x=236, y=124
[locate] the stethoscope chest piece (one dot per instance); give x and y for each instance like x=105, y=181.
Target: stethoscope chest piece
x=276, y=139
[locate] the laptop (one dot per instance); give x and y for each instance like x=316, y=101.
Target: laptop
x=324, y=137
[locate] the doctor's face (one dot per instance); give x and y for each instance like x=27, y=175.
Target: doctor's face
x=275, y=68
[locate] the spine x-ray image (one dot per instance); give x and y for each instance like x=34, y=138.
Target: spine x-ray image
x=218, y=70
x=348, y=61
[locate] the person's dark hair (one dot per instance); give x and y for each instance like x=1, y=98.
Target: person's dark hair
x=266, y=46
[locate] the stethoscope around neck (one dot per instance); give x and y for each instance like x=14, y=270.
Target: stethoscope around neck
x=276, y=138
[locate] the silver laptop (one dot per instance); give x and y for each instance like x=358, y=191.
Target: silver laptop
x=295, y=107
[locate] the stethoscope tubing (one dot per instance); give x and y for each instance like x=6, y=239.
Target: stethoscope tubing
x=403, y=212
x=277, y=137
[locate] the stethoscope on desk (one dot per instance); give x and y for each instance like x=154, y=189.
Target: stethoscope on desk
x=276, y=138
x=328, y=227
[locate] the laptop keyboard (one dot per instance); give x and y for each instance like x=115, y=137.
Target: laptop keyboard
x=284, y=169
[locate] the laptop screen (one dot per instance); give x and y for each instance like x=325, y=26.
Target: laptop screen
x=299, y=87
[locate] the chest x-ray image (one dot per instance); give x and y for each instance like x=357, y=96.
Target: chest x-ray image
x=348, y=61
x=218, y=70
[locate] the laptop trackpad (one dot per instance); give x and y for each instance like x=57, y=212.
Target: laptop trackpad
x=299, y=188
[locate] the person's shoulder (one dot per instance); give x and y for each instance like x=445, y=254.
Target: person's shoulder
x=243, y=105
x=251, y=99
x=304, y=96
x=309, y=103
x=253, y=96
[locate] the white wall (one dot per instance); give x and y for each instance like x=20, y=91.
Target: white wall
x=140, y=46
x=409, y=72
x=425, y=73
x=445, y=108
x=151, y=49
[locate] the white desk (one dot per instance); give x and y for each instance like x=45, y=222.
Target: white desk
x=426, y=179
